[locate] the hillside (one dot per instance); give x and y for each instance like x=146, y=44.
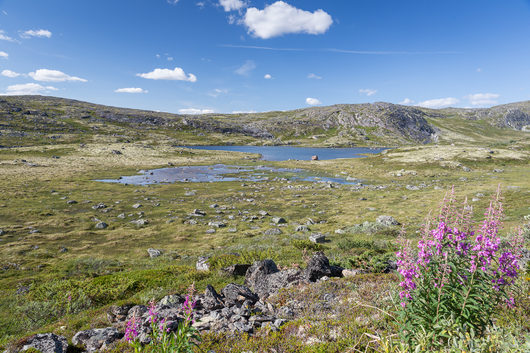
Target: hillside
x=27, y=120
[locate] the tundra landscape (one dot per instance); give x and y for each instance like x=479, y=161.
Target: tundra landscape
x=79, y=254
x=264, y=176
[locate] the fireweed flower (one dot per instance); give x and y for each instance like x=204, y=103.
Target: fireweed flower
x=131, y=329
x=153, y=315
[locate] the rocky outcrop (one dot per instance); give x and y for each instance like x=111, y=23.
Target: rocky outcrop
x=96, y=339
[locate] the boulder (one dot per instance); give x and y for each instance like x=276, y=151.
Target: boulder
x=171, y=300
x=273, y=231
x=317, y=238
x=96, y=339
x=154, y=253
x=101, y=225
x=318, y=267
x=117, y=314
x=278, y=220
x=211, y=300
x=236, y=293
x=202, y=263
x=256, y=276
x=46, y=343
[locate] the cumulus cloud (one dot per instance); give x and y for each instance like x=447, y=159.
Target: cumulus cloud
x=177, y=74
x=27, y=89
x=39, y=33
x=45, y=75
x=9, y=73
x=438, y=103
x=406, y=101
x=194, y=111
x=4, y=36
x=130, y=90
x=281, y=18
x=217, y=92
x=368, y=91
x=267, y=76
x=483, y=98
x=4, y=55
x=246, y=68
x=312, y=101
x=314, y=76
x=232, y=5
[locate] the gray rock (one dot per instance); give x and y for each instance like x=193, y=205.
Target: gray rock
x=302, y=228
x=273, y=231
x=117, y=314
x=211, y=300
x=214, y=205
x=99, y=206
x=171, y=300
x=137, y=311
x=2, y=232
x=256, y=276
x=71, y=202
x=140, y=222
x=217, y=224
x=210, y=231
x=46, y=343
x=154, y=253
x=387, y=221
x=236, y=293
x=137, y=205
x=278, y=220
x=101, y=225
x=317, y=238
x=121, y=215
x=96, y=339
x=232, y=230
x=466, y=169
x=198, y=213
x=318, y=267
x=202, y=263
x=263, y=213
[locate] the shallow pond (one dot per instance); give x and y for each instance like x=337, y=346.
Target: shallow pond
x=222, y=172
x=283, y=153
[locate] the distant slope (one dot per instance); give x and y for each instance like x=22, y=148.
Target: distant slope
x=343, y=124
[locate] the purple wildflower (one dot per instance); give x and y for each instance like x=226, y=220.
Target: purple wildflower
x=131, y=329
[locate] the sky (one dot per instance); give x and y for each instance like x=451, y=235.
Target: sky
x=226, y=56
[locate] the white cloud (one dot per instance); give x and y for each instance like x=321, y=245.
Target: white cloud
x=439, y=103
x=281, y=18
x=4, y=55
x=232, y=5
x=267, y=76
x=479, y=69
x=172, y=2
x=368, y=91
x=483, y=98
x=406, y=101
x=217, y=92
x=27, y=89
x=40, y=33
x=194, y=111
x=176, y=74
x=9, y=73
x=169, y=58
x=46, y=75
x=313, y=76
x=3, y=36
x=4, y=12
x=246, y=68
x=131, y=90
x=243, y=111
x=312, y=101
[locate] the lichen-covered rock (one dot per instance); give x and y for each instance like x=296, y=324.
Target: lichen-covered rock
x=46, y=343
x=236, y=293
x=96, y=339
x=256, y=276
x=211, y=300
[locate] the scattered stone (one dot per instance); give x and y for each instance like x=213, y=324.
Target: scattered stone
x=273, y=231
x=302, y=228
x=232, y=230
x=96, y=339
x=2, y=232
x=137, y=205
x=189, y=193
x=46, y=343
x=217, y=224
x=412, y=187
x=498, y=170
x=349, y=273
x=198, y=213
x=101, y=225
x=263, y=213
x=71, y=202
x=210, y=231
x=278, y=220
x=154, y=253
x=466, y=169
x=121, y=215
x=317, y=238
x=116, y=152
x=140, y=222
x=202, y=263
x=387, y=221
x=318, y=267
x=99, y=206
x=117, y=314
x=214, y=205
x=340, y=231
x=63, y=250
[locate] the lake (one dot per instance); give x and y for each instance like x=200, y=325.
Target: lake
x=283, y=153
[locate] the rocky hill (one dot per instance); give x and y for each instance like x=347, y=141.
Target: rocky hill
x=343, y=124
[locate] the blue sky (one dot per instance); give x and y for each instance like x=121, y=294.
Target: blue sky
x=194, y=56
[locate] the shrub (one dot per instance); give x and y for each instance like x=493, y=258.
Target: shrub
x=456, y=279
x=304, y=244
